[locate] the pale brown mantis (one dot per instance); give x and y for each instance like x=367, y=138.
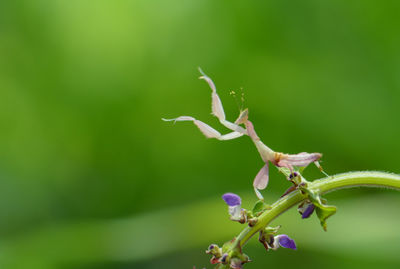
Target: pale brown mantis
x=267, y=154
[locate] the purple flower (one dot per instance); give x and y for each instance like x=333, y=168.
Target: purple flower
x=234, y=202
x=232, y=199
x=285, y=241
x=309, y=210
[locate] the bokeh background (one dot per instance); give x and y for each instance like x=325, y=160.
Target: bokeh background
x=90, y=177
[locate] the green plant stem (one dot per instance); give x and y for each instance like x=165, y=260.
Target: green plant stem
x=321, y=186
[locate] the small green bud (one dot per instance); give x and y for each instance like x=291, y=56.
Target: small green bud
x=272, y=230
x=214, y=250
x=252, y=222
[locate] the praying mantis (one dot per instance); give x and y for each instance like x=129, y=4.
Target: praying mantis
x=268, y=155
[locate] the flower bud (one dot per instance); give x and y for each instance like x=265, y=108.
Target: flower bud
x=309, y=210
x=306, y=209
x=284, y=241
x=214, y=250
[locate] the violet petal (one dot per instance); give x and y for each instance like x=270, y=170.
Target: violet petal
x=309, y=210
x=286, y=242
x=232, y=199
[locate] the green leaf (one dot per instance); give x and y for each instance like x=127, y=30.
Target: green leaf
x=324, y=212
x=259, y=207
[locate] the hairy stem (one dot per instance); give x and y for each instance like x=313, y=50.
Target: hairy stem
x=321, y=186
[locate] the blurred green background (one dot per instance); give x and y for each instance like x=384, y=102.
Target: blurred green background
x=90, y=177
